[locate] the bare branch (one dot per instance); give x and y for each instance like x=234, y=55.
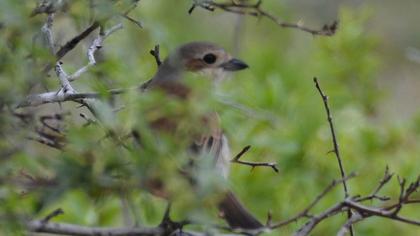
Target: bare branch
x=136, y=22
x=156, y=54
x=59, y=96
x=64, y=79
x=69, y=229
x=374, y=195
x=72, y=43
x=346, y=227
x=254, y=9
x=236, y=159
x=314, y=221
x=305, y=212
x=336, y=150
x=53, y=214
x=378, y=212
x=132, y=7
x=67, y=93
x=96, y=45
x=335, y=144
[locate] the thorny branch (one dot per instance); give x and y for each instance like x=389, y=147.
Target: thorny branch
x=336, y=150
x=305, y=212
x=96, y=45
x=362, y=212
x=254, y=9
x=238, y=156
x=67, y=93
x=72, y=43
x=374, y=195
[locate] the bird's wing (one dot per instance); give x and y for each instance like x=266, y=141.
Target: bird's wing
x=214, y=143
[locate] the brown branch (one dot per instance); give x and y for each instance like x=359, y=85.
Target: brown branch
x=336, y=150
x=370, y=211
x=156, y=54
x=361, y=211
x=71, y=229
x=347, y=226
x=53, y=214
x=132, y=7
x=374, y=195
x=314, y=221
x=305, y=212
x=236, y=159
x=255, y=10
x=333, y=134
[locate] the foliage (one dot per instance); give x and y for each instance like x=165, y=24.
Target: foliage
x=273, y=106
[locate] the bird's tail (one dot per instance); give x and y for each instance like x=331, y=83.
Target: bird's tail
x=236, y=215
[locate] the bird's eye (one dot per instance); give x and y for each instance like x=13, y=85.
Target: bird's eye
x=209, y=58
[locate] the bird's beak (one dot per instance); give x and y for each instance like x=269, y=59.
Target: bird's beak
x=234, y=65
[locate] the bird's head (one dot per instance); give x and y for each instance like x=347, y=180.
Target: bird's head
x=201, y=56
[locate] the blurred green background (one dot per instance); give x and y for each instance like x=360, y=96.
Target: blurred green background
x=370, y=70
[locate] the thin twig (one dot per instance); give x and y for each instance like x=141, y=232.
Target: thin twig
x=336, y=150
x=374, y=195
x=96, y=45
x=72, y=43
x=255, y=10
x=70, y=229
x=236, y=159
x=156, y=54
x=305, y=212
x=53, y=214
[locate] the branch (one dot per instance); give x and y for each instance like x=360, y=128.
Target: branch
x=69, y=229
x=66, y=87
x=52, y=97
x=310, y=225
x=333, y=134
x=255, y=10
x=53, y=214
x=361, y=211
x=156, y=54
x=374, y=195
x=347, y=226
x=378, y=212
x=132, y=7
x=96, y=45
x=335, y=144
x=72, y=43
x=236, y=159
x=67, y=93
x=305, y=212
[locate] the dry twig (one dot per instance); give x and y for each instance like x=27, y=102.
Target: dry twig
x=254, y=9
x=236, y=159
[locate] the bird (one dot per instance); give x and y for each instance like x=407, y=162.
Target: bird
x=214, y=61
